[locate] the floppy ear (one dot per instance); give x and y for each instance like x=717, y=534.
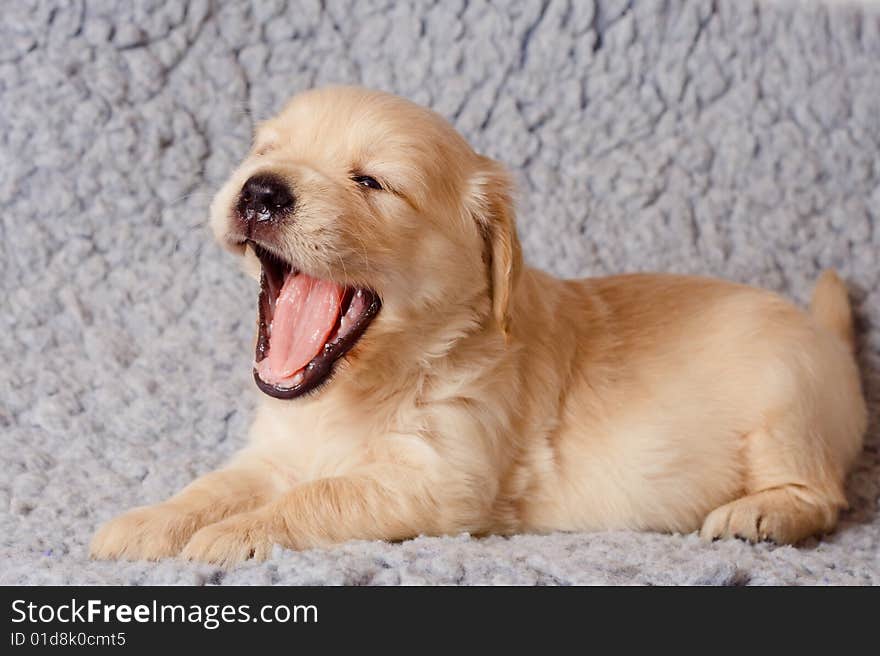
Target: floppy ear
x=492, y=208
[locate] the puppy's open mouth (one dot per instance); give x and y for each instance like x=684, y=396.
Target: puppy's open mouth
x=305, y=325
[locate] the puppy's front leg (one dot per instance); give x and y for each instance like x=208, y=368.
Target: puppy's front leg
x=384, y=503
x=159, y=531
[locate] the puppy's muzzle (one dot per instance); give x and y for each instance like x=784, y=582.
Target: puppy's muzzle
x=264, y=200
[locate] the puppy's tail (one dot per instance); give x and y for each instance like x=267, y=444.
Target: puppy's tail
x=831, y=309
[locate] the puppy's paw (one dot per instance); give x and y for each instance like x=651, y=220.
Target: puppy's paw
x=230, y=542
x=756, y=518
x=147, y=533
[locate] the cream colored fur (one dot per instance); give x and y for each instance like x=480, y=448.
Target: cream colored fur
x=491, y=397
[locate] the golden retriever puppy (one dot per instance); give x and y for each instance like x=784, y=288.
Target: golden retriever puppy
x=418, y=378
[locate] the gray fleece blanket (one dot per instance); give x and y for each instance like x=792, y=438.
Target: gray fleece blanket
x=725, y=138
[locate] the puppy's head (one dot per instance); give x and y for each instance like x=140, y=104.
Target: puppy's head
x=372, y=224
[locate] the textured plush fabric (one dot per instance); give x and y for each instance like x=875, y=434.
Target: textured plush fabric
x=721, y=138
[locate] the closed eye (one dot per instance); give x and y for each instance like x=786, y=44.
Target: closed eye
x=264, y=149
x=366, y=181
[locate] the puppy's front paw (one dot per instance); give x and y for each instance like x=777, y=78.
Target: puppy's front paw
x=147, y=533
x=231, y=541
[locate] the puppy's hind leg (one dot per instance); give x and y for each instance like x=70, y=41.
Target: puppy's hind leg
x=784, y=515
x=796, y=465
x=793, y=482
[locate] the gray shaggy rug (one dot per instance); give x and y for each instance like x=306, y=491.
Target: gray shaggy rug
x=726, y=138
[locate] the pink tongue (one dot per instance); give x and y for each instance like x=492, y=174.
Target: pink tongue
x=305, y=315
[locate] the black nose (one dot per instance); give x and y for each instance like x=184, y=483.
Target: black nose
x=264, y=197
